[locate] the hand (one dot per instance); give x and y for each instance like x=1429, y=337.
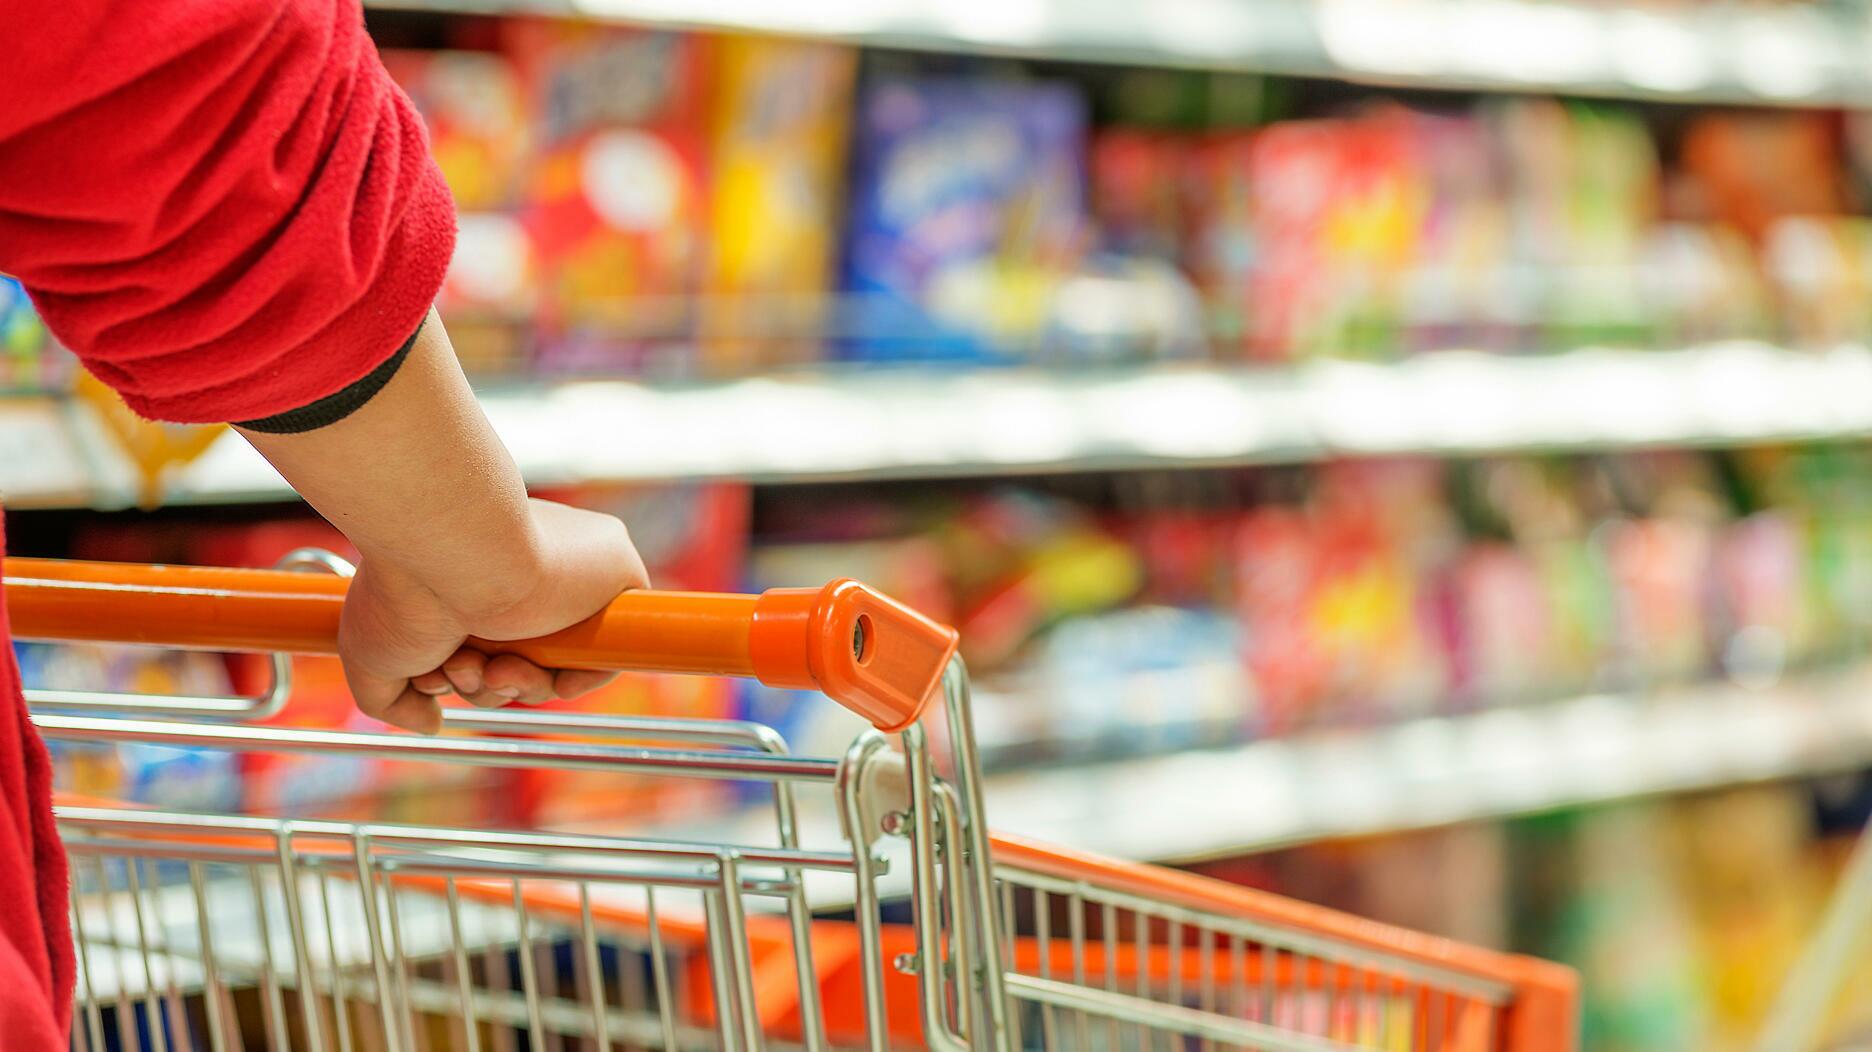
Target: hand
x=402, y=633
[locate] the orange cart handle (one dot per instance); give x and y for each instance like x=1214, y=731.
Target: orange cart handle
x=866, y=651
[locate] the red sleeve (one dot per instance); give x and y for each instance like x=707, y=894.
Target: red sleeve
x=225, y=207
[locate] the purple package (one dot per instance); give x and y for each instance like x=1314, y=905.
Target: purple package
x=964, y=191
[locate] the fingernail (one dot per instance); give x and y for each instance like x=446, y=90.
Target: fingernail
x=435, y=691
x=509, y=693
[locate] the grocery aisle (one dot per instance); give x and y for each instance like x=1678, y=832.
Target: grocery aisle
x=1409, y=456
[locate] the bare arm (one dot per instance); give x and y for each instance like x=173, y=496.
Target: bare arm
x=451, y=545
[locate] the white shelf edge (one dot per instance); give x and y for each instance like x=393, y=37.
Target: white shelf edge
x=1436, y=771
x=1412, y=775
x=926, y=423
x=1766, y=56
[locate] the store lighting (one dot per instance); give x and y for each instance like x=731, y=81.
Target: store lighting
x=1002, y=23
x=1403, y=37
x=1544, y=43
x=1657, y=53
x=1213, y=28
x=1782, y=54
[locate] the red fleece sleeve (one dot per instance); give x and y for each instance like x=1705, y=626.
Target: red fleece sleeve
x=225, y=207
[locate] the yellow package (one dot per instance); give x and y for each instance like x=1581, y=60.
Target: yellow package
x=778, y=125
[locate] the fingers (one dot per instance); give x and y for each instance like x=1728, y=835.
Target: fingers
x=575, y=682
x=433, y=684
x=396, y=702
x=414, y=711
x=490, y=683
x=518, y=679
x=463, y=670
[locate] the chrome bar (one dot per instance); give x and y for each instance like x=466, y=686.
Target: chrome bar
x=734, y=911
x=659, y=972
x=213, y=1004
x=973, y=839
x=869, y=748
x=272, y=1002
x=1468, y=985
x=473, y=752
x=743, y=733
x=302, y=956
x=152, y=1012
x=590, y=970
x=94, y=1023
x=925, y=904
x=1167, y=1018
x=464, y=976
x=188, y=824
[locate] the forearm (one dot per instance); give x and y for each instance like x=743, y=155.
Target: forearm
x=417, y=479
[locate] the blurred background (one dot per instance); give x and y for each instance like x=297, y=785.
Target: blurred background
x=1407, y=454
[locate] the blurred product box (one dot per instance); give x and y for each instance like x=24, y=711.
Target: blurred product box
x=31, y=361
x=479, y=134
x=472, y=104
x=780, y=125
x=195, y=779
x=966, y=210
x=616, y=199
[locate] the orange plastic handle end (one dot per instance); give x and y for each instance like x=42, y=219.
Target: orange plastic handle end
x=870, y=653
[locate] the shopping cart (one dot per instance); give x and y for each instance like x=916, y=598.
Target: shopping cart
x=217, y=931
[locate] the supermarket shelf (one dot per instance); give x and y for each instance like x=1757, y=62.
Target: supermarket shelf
x=1435, y=771
x=1417, y=774
x=907, y=424
x=1737, y=53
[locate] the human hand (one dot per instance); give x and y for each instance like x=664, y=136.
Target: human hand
x=402, y=633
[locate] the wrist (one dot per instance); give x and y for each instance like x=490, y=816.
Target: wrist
x=476, y=568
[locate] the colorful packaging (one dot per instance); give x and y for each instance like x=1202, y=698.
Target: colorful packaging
x=1748, y=168
x=1583, y=185
x=472, y=103
x=1220, y=247
x=966, y=207
x=1138, y=193
x=183, y=778
x=1454, y=292
x=475, y=110
x=1819, y=271
x=615, y=203
x=1337, y=206
x=30, y=359
x=780, y=126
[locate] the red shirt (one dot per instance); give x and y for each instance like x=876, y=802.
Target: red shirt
x=227, y=209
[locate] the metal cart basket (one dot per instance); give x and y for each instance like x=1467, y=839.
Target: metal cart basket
x=218, y=931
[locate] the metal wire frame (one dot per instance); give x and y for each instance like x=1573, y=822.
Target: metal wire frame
x=350, y=914
x=378, y=850
x=1107, y=969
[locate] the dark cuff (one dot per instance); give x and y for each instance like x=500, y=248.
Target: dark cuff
x=334, y=407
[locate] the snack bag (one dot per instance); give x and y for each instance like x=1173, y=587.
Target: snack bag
x=472, y=104
x=1138, y=196
x=966, y=207
x=779, y=126
x=30, y=359
x=475, y=110
x=1276, y=582
x=615, y=202
x=1220, y=247
x=1338, y=205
